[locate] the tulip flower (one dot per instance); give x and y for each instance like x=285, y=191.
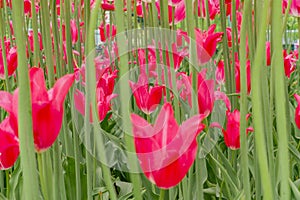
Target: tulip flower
x=109, y=32
x=207, y=43
x=297, y=111
x=12, y=61
x=206, y=93
x=104, y=95
x=47, y=107
x=166, y=151
x=213, y=8
x=179, y=14
x=232, y=132
x=295, y=8
x=9, y=145
x=147, y=97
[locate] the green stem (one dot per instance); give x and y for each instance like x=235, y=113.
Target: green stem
x=68, y=36
x=229, y=71
x=193, y=57
x=27, y=154
x=281, y=100
x=91, y=98
x=207, y=14
x=36, y=46
x=2, y=33
x=257, y=101
x=124, y=96
x=244, y=102
x=162, y=194
x=45, y=20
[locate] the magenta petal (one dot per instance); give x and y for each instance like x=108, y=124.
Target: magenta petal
x=222, y=96
x=9, y=146
x=79, y=101
x=297, y=111
x=47, y=122
x=166, y=149
x=155, y=96
x=58, y=93
x=6, y=101
x=38, y=85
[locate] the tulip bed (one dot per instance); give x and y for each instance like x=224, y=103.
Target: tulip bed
x=149, y=99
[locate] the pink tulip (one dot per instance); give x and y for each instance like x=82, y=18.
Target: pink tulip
x=104, y=95
x=108, y=33
x=147, y=97
x=9, y=145
x=232, y=132
x=213, y=9
x=207, y=43
x=297, y=111
x=166, y=151
x=295, y=8
x=47, y=107
x=12, y=61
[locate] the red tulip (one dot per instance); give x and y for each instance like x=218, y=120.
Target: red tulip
x=12, y=61
x=179, y=14
x=207, y=43
x=232, y=132
x=295, y=8
x=31, y=38
x=238, y=76
x=207, y=95
x=104, y=95
x=147, y=97
x=289, y=63
x=213, y=8
x=166, y=151
x=297, y=111
x=108, y=33
x=9, y=145
x=47, y=107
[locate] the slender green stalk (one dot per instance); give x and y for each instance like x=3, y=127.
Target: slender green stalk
x=281, y=100
x=45, y=20
x=2, y=34
x=36, y=53
x=28, y=161
x=258, y=114
x=76, y=151
x=56, y=39
x=162, y=194
x=244, y=102
x=68, y=36
x=91, y=97
x=2, y=175
x=124, y=96
x=235, y=49
x=229, y=70
x=193, y=56
x=286, y=15
x=207, y=14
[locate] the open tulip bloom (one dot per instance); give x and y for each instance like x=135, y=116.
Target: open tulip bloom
x=166, y=151
x=47, y=115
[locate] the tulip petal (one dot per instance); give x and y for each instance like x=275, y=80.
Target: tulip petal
x=38, y=85
x=6, y=101
x=9, y=146
x=166, y=149
x=59, y=91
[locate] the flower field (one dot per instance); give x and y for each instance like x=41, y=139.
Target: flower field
x=149, y=99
